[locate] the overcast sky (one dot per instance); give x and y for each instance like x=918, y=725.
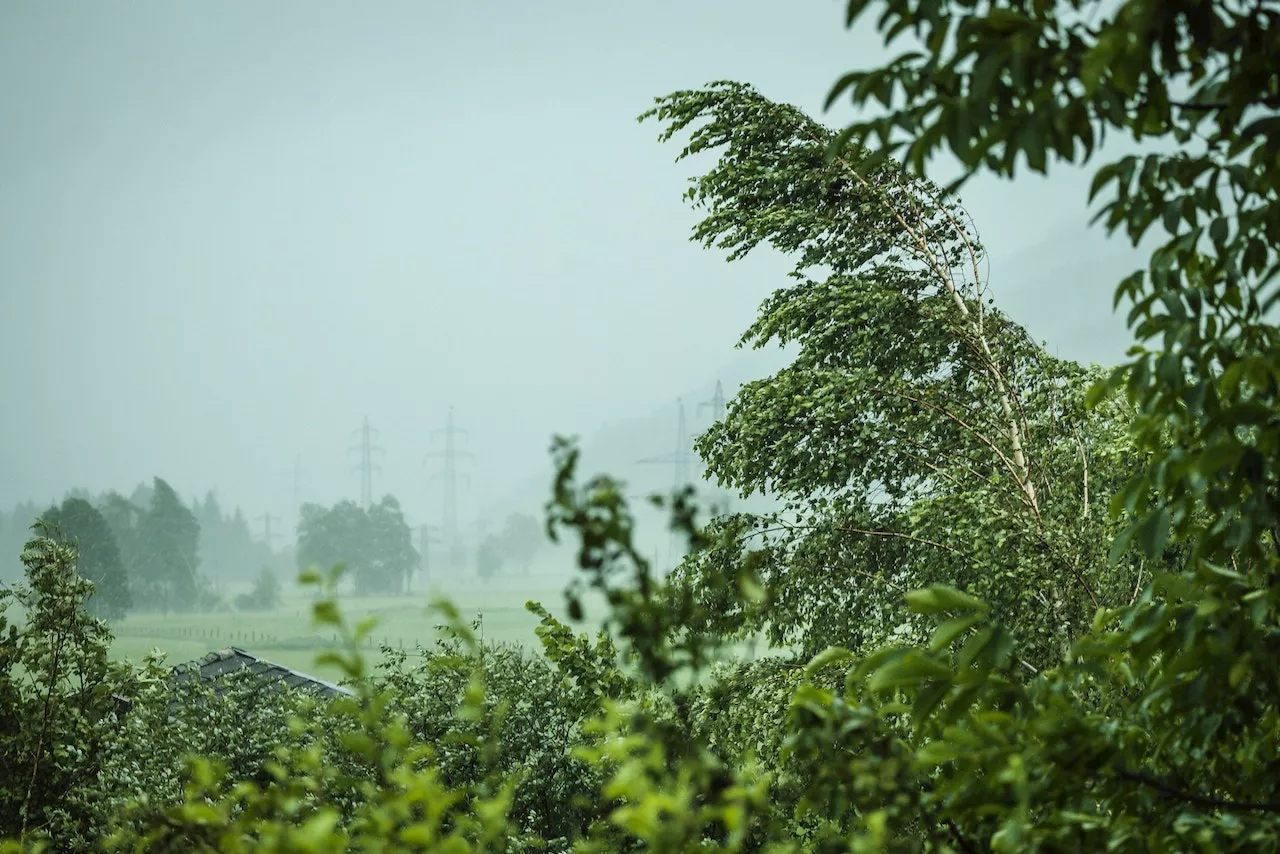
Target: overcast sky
x=230, y=231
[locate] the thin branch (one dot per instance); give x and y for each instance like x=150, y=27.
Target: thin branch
x=959, y=837
x=1084, y=462
x=1206, y=106
x=1137, y=585
x=1175, y=793
x=1027, y=492
x=49, y=703
x=898, y=535
x=954, y=459
x=878, y=578
x=1022, y=474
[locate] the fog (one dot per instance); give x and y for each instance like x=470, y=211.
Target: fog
x=231, y=232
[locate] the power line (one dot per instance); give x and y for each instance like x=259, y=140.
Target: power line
x=450, y=477
x=367, y=467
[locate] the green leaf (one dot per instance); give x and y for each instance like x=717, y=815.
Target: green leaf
x=828, y=657
x=946, y=633
x=910, y=669
x=942, y=599
x=1155, y=532
x=1120, y=544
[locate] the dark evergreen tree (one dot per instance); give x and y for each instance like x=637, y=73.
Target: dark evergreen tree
x=98, y=559
x=169, y=537
x=122, y=517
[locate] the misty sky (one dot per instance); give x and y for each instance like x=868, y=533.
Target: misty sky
x=230, y=231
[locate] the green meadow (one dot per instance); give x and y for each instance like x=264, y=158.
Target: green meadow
x=286, y=635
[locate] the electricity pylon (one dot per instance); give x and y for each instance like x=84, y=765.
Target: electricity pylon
x=367, y=467
x=681, y=461
x=716, y=404
x=450, y=476
x=718, y=408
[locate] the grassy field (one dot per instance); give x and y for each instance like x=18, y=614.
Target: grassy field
x=286, y=636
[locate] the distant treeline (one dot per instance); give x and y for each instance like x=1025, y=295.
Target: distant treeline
x=148, y=551
x=377, y=547
x=151, y=552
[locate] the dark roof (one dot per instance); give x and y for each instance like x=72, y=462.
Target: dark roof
x=233, y=660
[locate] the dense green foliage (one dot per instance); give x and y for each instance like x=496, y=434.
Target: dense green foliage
x=137, y=549
x=265, y=595
x=58, y=703
x=168, y=536
x=920, y=436
x=987, y=661
x=375, y=542
x=97, y=555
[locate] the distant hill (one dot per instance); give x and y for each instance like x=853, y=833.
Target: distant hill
x=618, y=448
x=1060, y=289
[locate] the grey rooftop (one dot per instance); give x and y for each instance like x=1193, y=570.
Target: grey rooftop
x=230, y=660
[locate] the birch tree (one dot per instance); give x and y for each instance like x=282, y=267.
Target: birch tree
x=920, y=435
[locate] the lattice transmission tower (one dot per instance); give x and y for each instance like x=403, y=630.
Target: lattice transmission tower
x=682, y=461
x=450, y=477
x=718, y=408
x=366, y=467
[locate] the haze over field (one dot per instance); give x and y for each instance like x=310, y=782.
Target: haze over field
x=230, y=232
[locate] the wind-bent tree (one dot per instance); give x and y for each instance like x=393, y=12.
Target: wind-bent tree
x=169, y=542
x=97, y=555
x=1004, y=83
x=122, y=518
x=489, y=558
x=1159, y=731
x=920, y=436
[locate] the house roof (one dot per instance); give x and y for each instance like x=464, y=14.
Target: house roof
x=230, y=660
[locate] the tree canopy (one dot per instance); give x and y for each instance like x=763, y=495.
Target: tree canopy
x=97, y=555
x=920, y=435
x=376, y=543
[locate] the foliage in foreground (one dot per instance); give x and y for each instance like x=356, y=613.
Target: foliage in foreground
x=1158, y=730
